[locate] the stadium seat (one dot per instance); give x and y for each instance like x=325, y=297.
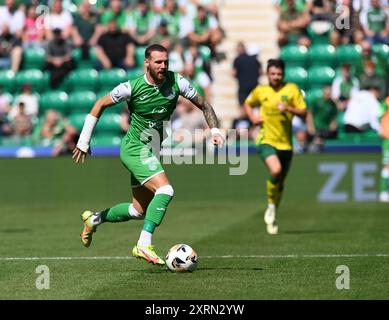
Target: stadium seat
x=109, y=124
x=109, y=79
x=106, y=140
x=320, y=76
x=205, y=52
x=295, y=55
x=81, y=101
x=140, y=56
x=7, y=81
x=349, y=53
x=381, y=50
x=312, y=95
x=322, y=55
x=297, y=75
x=134, y=73
x=323, y=38
x=82, y=63
x=83, y=79
x=113, y=109
x=34, y=77
x=77, y=120
x=33, y=58
x=57, y=100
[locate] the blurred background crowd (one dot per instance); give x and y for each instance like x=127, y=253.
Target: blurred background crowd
x=57, y=57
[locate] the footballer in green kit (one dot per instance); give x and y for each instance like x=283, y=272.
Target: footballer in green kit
x=151, y=99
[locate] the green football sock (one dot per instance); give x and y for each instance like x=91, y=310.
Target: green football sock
x=156, y=211
x=118, y=213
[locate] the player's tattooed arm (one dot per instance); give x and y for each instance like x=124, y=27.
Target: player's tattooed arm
x=209, y=113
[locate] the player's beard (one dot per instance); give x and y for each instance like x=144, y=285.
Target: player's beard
x=157, y=76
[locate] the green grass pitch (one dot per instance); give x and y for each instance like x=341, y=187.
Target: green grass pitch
x=219, y=215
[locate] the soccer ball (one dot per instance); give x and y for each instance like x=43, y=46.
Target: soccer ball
x=181, y=258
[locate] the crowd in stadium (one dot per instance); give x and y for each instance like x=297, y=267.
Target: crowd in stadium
x=57, y=46
x=347, y=64
x=335, y=50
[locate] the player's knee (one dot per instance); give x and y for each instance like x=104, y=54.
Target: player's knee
x=166, y=189
x=276, y=172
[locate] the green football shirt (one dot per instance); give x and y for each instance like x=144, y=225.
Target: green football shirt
x=151, y=105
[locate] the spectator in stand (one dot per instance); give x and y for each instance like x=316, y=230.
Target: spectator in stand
x=320, y=10
x=176, y=58
x=200, y=80
x=348, y=28
x=172, y=15
x=292, y=24
x=12, y=17
x=142, y=24
x=30, y=102
x=363, y=111
x=21, y=124
x=322, y=120
x=57, y=132
x=381, y=63
x=33, y=34
x=87, y=28
x=343, y=86
x=5, y=106
x=376, y=24
x=281, y=5
x=10, y=50
x=116, y=13
x=162, y=36
x=59, y=61
x=58, y=18
x=370, y=78
x=205, y=30
x=193, y=56
x=247, y=70
x=115, y=49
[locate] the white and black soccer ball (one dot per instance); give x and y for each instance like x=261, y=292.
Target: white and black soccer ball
x=181, y=258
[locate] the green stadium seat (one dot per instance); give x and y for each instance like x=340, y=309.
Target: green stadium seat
x=77, y=120
x=313, y=95
x=34, y=77
x=134, y=73
x=109, y=123
x=381, y=50
x=81, y=101
x=83, y=79
x=109, y=79
x=7, y=81
x=205, y=52
x=105, y=140
x=322, y=55
x=33, y=58
x=57, y=100
x=295, y=55
x=348, y=53
x=140, y=56
x=297, y=75
x=81, y=63
x=320, y=76
x=323, y=38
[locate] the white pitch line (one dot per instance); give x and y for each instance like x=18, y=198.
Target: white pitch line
x=293, y=256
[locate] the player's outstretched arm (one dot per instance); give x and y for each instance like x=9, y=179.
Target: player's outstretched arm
x=210, y=118
x=83, y=144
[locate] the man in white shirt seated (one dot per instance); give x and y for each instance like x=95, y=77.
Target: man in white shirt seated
x=363, y=111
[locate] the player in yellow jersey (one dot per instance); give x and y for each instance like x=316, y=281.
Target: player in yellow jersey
x=278, y=102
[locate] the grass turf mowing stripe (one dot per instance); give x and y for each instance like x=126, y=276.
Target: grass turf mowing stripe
x=295, y=256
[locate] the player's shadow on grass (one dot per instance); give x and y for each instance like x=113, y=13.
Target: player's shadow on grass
x=309, y=231
x=163, y=270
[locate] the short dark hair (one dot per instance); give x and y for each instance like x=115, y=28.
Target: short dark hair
x=154, y=47
x=277, y=63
